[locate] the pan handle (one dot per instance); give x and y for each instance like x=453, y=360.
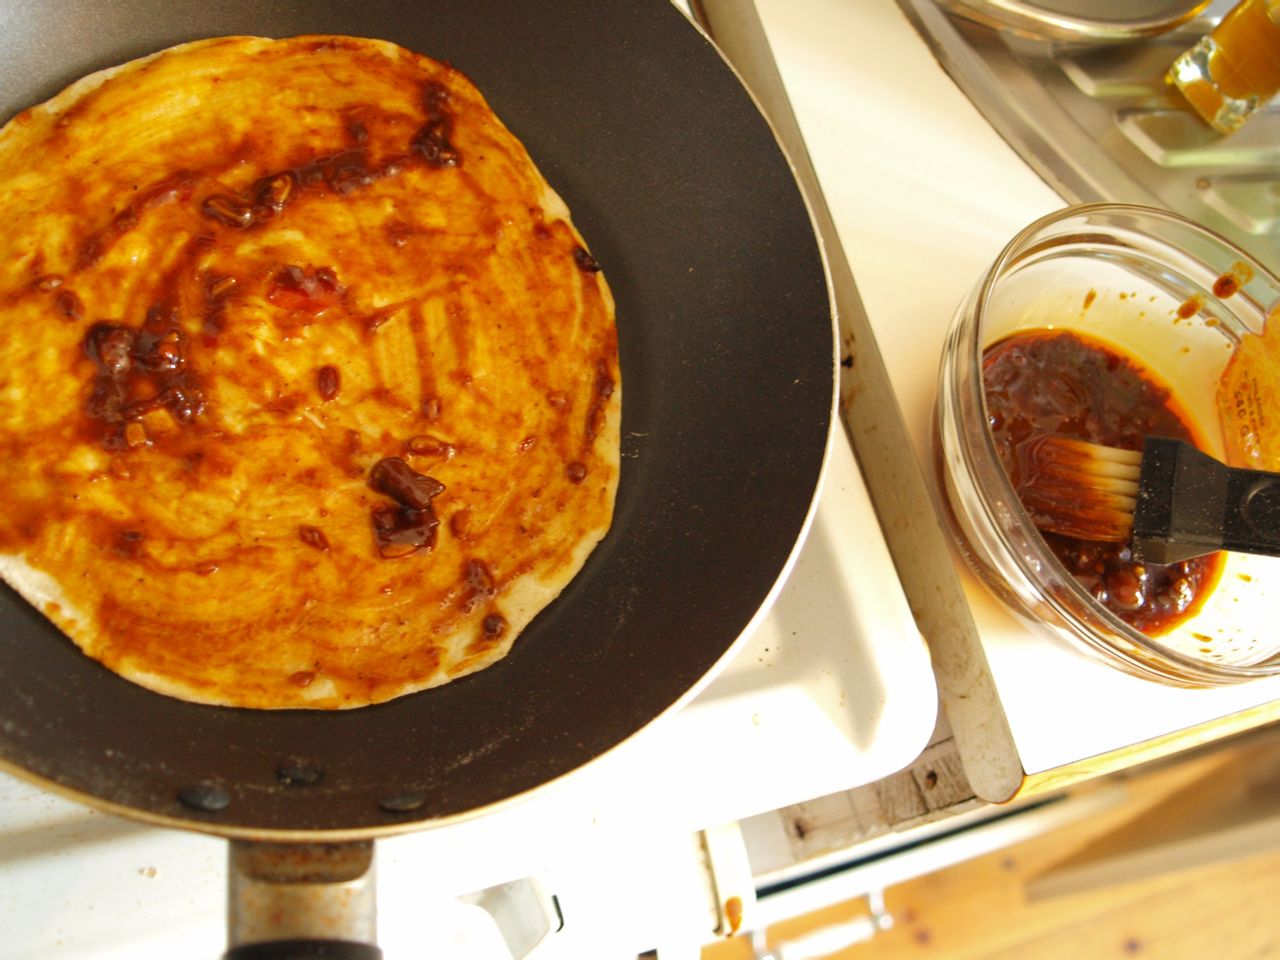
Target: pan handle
x=301, y=901
x=304, y=950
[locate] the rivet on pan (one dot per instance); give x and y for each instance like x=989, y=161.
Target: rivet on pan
x=405, y=802
x=296, y=772
x=208, y=797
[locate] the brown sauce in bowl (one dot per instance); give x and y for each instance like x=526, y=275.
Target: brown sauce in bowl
x=1054, y=382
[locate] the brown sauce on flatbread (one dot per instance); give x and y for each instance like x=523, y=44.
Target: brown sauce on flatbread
x=278, y=384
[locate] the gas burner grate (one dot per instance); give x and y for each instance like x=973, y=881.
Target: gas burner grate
x=1099, y=123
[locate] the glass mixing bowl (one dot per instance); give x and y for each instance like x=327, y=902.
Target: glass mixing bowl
x=1142, y=281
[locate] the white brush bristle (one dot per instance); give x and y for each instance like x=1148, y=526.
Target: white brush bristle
x=1080, y=489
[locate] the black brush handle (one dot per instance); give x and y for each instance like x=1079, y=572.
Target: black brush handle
x=1189, y=504
x=1254, y=526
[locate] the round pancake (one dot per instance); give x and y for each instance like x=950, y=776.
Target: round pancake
x=309, y=390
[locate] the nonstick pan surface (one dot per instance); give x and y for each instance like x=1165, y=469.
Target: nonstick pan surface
x=727, y=362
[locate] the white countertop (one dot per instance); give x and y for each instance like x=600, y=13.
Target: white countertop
x=925, y=194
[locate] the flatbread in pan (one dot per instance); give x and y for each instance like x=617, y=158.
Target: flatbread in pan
x=309, y=391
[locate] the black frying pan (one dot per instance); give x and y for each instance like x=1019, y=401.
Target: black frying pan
x=727, y=361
